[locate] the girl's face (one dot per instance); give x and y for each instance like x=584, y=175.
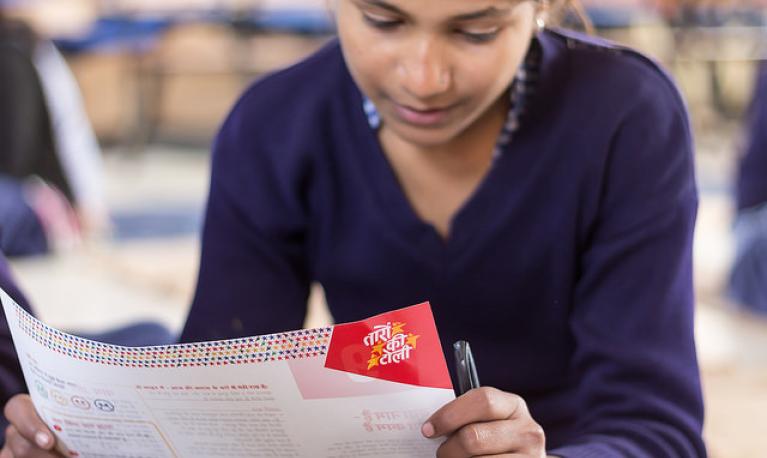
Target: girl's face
x=434, y=67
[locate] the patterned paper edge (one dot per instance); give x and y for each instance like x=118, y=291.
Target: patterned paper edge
x=300, y=344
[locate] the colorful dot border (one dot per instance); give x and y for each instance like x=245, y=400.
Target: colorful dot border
x=286, y=346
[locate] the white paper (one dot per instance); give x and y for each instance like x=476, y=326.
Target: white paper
x=267, y=396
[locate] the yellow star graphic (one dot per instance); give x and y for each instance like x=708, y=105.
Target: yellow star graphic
x=411, y=340
x=378, y=349
x=396, y=328
x=372, y=362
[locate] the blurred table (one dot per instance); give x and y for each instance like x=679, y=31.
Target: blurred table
x=140, y=36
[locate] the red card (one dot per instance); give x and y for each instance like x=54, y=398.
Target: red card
x=400, y=346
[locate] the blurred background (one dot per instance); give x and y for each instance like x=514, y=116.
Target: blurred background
x=157, y=77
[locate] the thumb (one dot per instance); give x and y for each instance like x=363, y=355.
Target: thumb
x=21, y=413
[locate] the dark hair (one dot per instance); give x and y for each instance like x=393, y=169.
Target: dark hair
x=17, y=33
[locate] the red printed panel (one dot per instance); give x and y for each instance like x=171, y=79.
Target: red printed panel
x=400, y=346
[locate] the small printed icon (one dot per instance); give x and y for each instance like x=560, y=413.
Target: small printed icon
x=57, y=428
x=80, y=402
x=59, y=398
x=104, y=405
x=41, y=389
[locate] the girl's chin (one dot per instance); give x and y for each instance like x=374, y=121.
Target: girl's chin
x=423, y=137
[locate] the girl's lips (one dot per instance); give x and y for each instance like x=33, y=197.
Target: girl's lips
x=424, y=118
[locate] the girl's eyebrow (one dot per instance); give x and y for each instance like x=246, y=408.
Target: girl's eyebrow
x=384, y=6
x=489, y=12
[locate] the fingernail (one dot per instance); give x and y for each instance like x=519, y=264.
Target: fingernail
x=427, y=429
x=42, y=439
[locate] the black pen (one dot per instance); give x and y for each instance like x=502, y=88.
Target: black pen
x=465, y=367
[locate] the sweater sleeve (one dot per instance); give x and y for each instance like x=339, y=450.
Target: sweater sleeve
x=76, y=146
x=253, y=278
x=11, y=378
x=634, y=360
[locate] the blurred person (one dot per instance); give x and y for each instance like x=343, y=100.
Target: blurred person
x=535, y=185
x=748, y=276
x=47, y=146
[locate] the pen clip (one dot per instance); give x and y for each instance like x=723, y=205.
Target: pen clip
x=465, y=367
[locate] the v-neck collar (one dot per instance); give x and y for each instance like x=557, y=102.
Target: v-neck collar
x=397, y=209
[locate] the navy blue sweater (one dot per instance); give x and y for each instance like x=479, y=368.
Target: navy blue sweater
x=752, y=177
x=568, y=270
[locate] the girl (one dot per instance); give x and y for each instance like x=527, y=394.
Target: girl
x=535, y=185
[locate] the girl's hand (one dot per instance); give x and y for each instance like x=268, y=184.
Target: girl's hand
x=486, y=421
x=27, y=435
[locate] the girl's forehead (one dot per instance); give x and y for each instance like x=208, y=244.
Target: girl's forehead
x=445, y=9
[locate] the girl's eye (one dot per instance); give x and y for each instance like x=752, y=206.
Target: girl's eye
x=479, y=37
x=382, y=23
